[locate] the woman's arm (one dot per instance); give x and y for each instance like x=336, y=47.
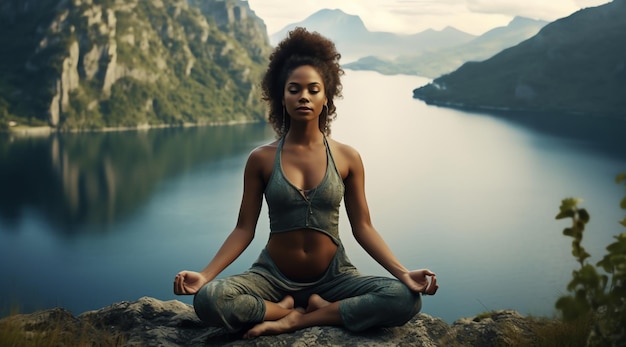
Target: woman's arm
x=367, y=236
x=189, y=282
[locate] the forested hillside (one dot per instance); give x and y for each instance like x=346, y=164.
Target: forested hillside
x=575, y=65
x=83, y=64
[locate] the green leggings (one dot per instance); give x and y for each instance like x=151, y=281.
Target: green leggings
x=237, y=302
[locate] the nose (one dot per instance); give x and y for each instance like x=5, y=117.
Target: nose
x=304, y=96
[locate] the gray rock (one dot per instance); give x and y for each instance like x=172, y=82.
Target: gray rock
x=152, y=322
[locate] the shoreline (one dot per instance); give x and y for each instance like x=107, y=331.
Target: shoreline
x=43, y=131
x=508, y=111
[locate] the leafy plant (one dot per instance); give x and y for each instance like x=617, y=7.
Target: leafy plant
x=599, y=295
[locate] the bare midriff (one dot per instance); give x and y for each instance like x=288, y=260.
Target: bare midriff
x=302, y=255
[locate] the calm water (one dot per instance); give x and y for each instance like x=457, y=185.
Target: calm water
x=91, y=219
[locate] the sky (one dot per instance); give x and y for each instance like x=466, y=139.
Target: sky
x=413, y=16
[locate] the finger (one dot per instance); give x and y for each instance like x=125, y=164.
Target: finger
x=429, y=273
x=183, y=285
x=180, y=284
x=176, y=284
x=427, y=289
x=433, y=286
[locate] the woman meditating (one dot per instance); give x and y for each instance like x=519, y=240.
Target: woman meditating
x=303, y=277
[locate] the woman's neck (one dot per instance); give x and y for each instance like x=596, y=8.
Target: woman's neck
x=304, y=135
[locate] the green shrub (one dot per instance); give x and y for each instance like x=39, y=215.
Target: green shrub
x=602, y=295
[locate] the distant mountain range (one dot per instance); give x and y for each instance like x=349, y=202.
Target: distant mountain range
x=355, y=41
x=576, y=65
x=429, y=53
x=434, y=63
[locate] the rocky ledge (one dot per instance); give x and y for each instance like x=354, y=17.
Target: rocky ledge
x=151, y=322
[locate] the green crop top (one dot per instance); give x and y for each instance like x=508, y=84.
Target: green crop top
x=290, y=208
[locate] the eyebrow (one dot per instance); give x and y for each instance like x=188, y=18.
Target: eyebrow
x=310, y=84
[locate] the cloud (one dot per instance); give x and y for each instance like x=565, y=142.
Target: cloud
x=412, y=16
x=423, y=7
x=536, y=9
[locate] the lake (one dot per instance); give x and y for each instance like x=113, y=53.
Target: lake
x=91, y=219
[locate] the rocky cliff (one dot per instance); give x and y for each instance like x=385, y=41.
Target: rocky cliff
x=106, y=63
x=151, y=322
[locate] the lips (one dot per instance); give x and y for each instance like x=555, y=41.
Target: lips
x=304, y=109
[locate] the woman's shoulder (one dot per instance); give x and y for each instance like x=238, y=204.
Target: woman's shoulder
x=264, y=152
x=343, y=149
x=344, y=153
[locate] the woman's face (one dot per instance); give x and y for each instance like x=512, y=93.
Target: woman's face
x=304, y=95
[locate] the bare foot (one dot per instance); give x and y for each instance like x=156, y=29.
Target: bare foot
x=283, y=325
x=287, y=302
x=315, y=303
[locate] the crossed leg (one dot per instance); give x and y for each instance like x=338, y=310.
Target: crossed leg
x=278, y=310
x=318, y=312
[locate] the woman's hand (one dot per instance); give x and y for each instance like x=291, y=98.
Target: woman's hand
x=422, y=281
x=188, y=282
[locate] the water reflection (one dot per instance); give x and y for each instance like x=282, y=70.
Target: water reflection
x=99, y=178
x=602, y=135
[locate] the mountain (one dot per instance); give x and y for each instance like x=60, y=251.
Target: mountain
x=84, y=64
x=354, y=40
x=340, y=25
x=434, y=63
x=575, y=64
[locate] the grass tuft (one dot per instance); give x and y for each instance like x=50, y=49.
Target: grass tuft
x=53, y=328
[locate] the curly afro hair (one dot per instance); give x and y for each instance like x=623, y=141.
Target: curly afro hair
x=301, y=47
